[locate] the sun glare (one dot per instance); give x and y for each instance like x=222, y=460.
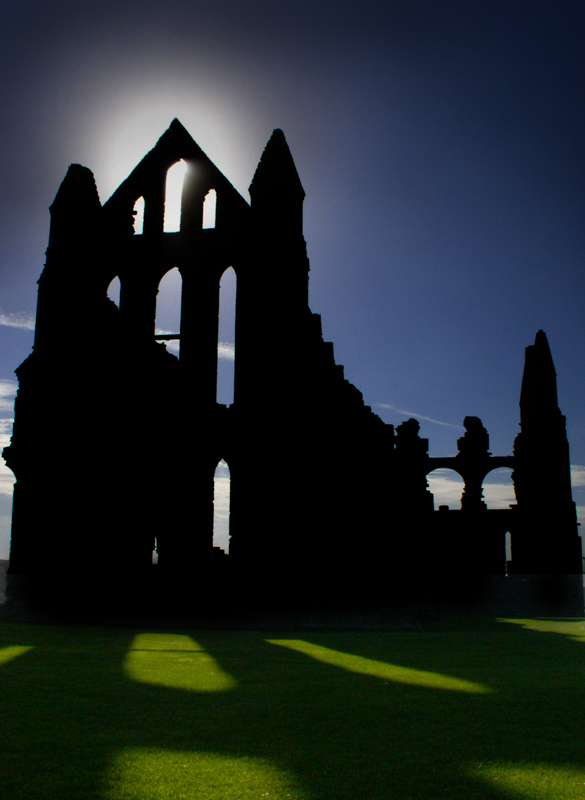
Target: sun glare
x=209, y=209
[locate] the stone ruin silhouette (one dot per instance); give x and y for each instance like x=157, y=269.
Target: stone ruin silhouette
x=323, y=492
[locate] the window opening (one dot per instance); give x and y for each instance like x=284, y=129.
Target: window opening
x=138, y=214
x=168, y=309
x=209, y=205
x=498, y=488
x=226, y=338
x=114, y=291
x=155, y=553
x=508, y=551
x=447, y=487
x=221, y=507
x=173, y=196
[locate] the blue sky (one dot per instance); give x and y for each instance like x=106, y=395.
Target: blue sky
x=440, y=145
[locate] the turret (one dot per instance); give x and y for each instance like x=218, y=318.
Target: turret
x=73, y=259
x=546, y=537
x=538, y=396
x=276, y=190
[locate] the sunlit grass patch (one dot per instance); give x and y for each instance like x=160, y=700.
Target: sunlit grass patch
x=122, y=714
x=175, y=661
x=574, y=628
x=162, y=775
x=380, y=669
x=9, y=653
x=533, y=781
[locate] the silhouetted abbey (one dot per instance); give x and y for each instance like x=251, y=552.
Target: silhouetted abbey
x=320, y=486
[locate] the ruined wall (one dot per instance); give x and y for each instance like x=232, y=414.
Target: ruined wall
x=141, y=432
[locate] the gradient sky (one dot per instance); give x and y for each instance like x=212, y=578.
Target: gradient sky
x=440, y=145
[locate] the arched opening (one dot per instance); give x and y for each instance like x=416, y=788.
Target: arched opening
x=498, y=488
x=209, y=209
x=221, y=507
x=173, y=196
x=226, y=338
x=114, y=291
x=447, y=488
x=138, y=214
x=168, y=308
x=508, y=552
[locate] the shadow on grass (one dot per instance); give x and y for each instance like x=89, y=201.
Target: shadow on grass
x=114, y=713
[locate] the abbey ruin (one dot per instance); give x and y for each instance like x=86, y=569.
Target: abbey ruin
x=350, y=492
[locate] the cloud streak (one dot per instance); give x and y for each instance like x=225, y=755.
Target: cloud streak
x=577, y=475
x=417, y=416
x=226, y=350
x=18, y=319
x=7, y=394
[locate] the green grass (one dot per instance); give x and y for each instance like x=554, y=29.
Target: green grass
x=492, y=710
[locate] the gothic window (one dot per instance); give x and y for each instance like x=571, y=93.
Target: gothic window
x=173, y=196
x=221, y=506
x=209, y=209
x=114, y=291
x=226, y=338
x=168, y=308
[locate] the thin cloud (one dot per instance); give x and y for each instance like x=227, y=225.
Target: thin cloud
x=417, y=416
x=577, y=475
x=226, y=350
x=18, y=319
x=7, y=394
x=447, y=488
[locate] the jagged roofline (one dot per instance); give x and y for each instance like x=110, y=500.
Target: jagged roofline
x=175, y=144
x=277, y=166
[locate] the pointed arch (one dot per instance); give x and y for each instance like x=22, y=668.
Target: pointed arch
x=209, y=209
x=114, y=291
x=221, y=506
x=168, y=307
x=138, y=214
x=173, y=196
x=226, y=352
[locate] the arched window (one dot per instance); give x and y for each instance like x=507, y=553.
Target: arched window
x=168, y=308
x=498, y=488
x=138, y=216
x=221, y=507
x=114, y=291
x=447, y=487
x=173, y=196
x=226, y=338
x=209, y=209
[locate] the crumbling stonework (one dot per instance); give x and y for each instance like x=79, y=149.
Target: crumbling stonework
x=321, y=488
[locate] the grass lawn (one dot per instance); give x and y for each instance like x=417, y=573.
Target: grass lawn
x=475, y=709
